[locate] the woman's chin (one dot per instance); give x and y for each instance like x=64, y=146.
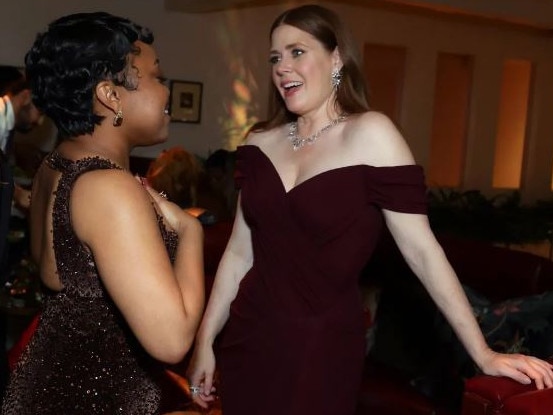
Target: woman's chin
x=161, y=139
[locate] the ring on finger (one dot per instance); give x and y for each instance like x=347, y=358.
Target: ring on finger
x=194, y=390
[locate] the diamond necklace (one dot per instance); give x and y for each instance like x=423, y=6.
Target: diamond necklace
x=298, y=142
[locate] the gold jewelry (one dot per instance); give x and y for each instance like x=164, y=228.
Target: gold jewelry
x=118, y=119
x=298, y=142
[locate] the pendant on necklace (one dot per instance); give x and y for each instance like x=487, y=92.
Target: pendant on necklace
x=298, y=142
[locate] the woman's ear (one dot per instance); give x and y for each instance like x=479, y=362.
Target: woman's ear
x=337, y=59
x=108, y=95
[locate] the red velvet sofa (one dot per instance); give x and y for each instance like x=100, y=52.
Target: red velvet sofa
x=487, y=395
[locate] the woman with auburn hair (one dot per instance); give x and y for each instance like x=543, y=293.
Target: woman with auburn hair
x=318, y=181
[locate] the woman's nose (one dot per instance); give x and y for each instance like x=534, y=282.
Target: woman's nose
x=283, y=66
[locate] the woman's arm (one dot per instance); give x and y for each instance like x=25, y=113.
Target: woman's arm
x=426, y=258
x=114, y=217
x=235, y=262
x=188, y=266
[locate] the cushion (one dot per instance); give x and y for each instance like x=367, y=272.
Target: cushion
x=517, y=325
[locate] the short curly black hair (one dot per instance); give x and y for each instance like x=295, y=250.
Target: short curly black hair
x=71, y=57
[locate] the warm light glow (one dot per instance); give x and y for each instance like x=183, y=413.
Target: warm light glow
x=240, y=108
x=511, y=125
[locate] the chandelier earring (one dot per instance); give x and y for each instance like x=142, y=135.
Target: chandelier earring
x=118, y=119
x=336, y=78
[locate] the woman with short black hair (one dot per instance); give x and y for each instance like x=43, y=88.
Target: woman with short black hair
x=122, y=265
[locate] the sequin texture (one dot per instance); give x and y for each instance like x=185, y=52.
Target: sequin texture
x=83, y=358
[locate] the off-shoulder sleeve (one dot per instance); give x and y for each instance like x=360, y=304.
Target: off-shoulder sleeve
x=399, y=188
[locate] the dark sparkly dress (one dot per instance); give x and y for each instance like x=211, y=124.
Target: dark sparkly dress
x=294, y=343
x=82, y=359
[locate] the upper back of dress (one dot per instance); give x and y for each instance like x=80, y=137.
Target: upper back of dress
x=75, y=264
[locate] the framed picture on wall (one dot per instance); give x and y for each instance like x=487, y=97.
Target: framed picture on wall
x=185, y=102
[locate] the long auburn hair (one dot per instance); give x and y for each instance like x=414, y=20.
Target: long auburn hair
x=327, y=28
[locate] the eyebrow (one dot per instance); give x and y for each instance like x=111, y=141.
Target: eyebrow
x=288, y=47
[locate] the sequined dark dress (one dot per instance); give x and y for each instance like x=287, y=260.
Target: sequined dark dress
x=294, y=343
x=82, y=359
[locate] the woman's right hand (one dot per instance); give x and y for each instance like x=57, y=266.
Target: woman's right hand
x=200, y=375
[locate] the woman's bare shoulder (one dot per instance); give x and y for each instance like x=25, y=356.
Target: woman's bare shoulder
x=373, y=125
x=103, y=178
x=263, y=138
x=374, y=136
x=109, y=190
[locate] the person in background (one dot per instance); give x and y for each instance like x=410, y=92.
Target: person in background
x=122, y=266
x=318, y=181
x=182, y=177
x=219, y=167
x=177, y=173
x=17, y=114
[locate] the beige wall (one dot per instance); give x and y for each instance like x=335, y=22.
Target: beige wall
x=200, y=47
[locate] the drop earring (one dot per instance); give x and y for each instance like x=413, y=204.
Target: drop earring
x=336, y=78
x=118, y=119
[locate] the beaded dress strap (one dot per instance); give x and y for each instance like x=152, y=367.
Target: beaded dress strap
x=58, y=162
x=55, y=161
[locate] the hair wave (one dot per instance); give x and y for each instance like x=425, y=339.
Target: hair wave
x=72, y=56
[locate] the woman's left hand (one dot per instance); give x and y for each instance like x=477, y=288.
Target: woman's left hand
x=174, y=216
x=519, y=367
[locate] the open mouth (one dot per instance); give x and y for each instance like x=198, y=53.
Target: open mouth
x=290, y=87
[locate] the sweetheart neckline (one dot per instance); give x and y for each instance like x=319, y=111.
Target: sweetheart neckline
x=317, y=175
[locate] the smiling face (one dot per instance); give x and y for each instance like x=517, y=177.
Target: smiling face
x=301, y=69
x=145, y=119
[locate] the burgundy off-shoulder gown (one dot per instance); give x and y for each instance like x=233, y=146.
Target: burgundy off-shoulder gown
x=294, y=343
